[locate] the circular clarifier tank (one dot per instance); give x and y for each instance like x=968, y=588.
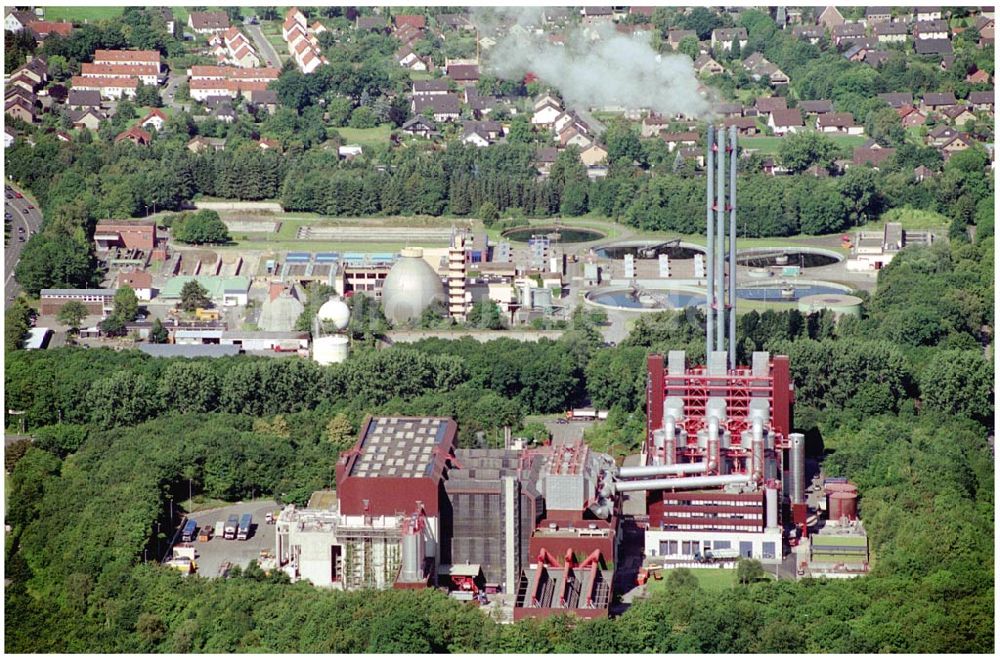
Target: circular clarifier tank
x=651, y=249
x=556, y=233
x=802, y=257
x=837, y=303
x=646, y=299
x=787, y=291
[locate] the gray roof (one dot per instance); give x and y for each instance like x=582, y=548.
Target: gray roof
x=84, y=98
x=189, y=350
x=933, y=47
x=264, y=96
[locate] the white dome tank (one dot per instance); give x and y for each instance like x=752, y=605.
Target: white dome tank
x=411, y=286
x=330, y=349
x=335, y=311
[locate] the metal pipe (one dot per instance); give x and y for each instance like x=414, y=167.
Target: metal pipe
x=710, y=247
x=666, y=469
x=797, y=457
x=720, y=246
x=682, y=482
x=732, y=249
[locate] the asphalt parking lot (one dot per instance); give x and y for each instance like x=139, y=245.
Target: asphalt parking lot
x=211, y=555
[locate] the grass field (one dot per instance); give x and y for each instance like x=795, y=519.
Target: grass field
x=710, y=580
x=82, y=14
x=770, y=144
x=912, y=219
x=366, y=137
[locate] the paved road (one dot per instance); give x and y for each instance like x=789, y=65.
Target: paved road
x=170, y=91
x=21, y=217
x=264, y=46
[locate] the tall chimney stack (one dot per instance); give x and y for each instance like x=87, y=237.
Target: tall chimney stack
x=709, y=253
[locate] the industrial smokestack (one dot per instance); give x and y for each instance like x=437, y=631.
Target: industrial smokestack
x=720, y=246
x=709, y=252
x=732, y=248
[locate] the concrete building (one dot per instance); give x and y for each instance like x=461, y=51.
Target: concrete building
x=228, y=292
x=99, y=302
x=874, y=250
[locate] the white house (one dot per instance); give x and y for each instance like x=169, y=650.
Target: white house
x=547, y=113
x=155, y=119
x=785, y=121
x=8, y=136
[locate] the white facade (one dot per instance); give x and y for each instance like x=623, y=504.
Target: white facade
x=683, y=544
x=546, y=115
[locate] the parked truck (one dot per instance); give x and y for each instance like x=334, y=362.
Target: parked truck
x=244, y=527
x=189, y=530
x=232, y=526
x=717, y=555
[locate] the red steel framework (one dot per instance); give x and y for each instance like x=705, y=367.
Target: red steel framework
x=737, y=387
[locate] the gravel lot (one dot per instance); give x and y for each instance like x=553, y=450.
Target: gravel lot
x=211, y=554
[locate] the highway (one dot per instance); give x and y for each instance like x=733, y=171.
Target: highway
x=30, y=220
x=264, y=47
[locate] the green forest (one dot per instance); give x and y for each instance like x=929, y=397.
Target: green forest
x=899, y=401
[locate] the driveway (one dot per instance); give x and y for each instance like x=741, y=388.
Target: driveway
x=30, y=220
x=264, y=46
x=211, y=555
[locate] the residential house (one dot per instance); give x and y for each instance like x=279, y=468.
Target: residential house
x=937, y=29
x=830, y=18
x=442, y=107
x=349, y=152
x=489, y=129
x=168, y=17
x=705, y=65
x=760, y=68
x=652, y=124
x=957, y=143
x=729, y=109
x=129, y=57
x=415, y=21
x=873, y=155
x=890, y=33
x=224, y=113
x=928, y=14
x=979, y=76
x=958, y=114
x=897, y=99
x=838, y=122
x=155, y=119
x=571, y=135
x=593, y=154
x=932, y=47
x=15, y=21
x=724, y=38
x=463, y=74
x=201, y=143
x=876, y=58
x=410, y=60
x=675, y=140
x=266, y=99
x=910, y=116
x=545, y=158
x=89, y=118
x=941, y=134
x=148, y=73
x=768, y=104
x=135, y=135
x=454, y=22
x=419, y=126
x=847, y=32
x=878, y=15
x=546, y=109
x=18, y=108
x=594, y=15
x=675, y=37
x=472, y=136
x=80, y=99
x=744, y=125
x=431, y=87
x=936, y=101
x=208, y=22
x=372, y=24
x=982, y=101
x=8, y=137
x=809, y=33
x=42, y=29
x=985, y=27
x=784, y=121
x=267, y=143
x=817, y=107
x=922, y=172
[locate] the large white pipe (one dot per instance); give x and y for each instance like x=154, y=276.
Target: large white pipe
x=720, y=239
x=682, y=482
x=732, y=249
x=666, y=469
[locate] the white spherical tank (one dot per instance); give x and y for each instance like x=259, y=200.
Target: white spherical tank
x=330, y=349
x=336, y=312
x=410, y=287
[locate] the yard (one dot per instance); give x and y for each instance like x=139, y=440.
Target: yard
x=366, y=137
x=770, y=144
x=710, y=580
x=81, y=14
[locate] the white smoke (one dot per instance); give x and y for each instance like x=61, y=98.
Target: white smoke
x=597, y=67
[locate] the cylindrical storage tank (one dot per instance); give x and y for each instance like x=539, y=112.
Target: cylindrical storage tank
x=411, y=558
x=702, y=439
x=840, y=487
x=757, y=459
x=797, y=471
x=841, y=504
x=659, y=441
x=838, y=304
x=713, y=453
x=410, y=287
x=771, y=506
x=330, y=349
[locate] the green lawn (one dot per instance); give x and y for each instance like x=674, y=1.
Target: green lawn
x=912, y=219
x=82, y=14
x=366, y=137
x=710, y=580
x=770, y=144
